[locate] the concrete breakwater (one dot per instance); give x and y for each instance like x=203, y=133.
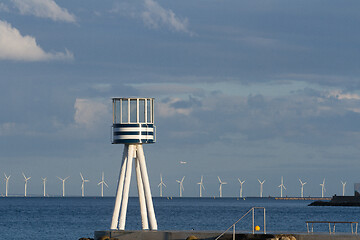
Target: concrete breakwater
x=209, y=235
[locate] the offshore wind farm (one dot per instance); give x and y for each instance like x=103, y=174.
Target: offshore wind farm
x=165, y=192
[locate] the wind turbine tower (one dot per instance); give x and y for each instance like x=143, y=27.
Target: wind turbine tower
x=181, y=185
x=302, y=187
x=343, y=187
x=26, y=180
x=201, y=183
x=261, y=187
x=63, y=185
x=323, y=188
x=102, y=182
x=44, y=186
x=83, y=181
x=241, y=186
x=6, y=184
x=161, y=184
x=133, y=126
x=282, y=186
x=220, y=188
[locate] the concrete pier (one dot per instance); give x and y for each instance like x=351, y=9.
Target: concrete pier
x=211, y=235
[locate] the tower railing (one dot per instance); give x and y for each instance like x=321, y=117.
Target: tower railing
x=252, y=210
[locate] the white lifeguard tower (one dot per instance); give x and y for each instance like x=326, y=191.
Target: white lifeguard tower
x=133, y=125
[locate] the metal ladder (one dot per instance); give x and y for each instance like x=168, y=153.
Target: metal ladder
x=253, y=222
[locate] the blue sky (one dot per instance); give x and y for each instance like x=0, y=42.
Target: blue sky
x=244, y=89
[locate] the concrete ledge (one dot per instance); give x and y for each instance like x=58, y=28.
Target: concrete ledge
x=211, y=235
x=175, y=235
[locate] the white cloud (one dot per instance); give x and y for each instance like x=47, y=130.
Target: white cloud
x=340, y=95
x=89, y=112
x=155, y=15
x=3, y=8
x=7, y=129
x=44, y=9
x=14, y=46
x=167, y=109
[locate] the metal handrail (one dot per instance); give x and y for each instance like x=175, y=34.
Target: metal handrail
x=332, y=231
x=253, y=222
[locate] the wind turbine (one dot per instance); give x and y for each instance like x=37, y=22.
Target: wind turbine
x=261, y=187
x=26, y=180
x=343, y=185
x=63, y=185
x=282, y=186
x=323, y=188
x=241, y=186
x=220, y=188
x=201, y=185
x=44, y=184
x=83, y=185
x=302, y=187
x=102, y=182
x=161, y=184
x=181, y=185
x=7, y=184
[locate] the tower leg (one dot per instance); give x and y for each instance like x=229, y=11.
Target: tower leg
x=119, y=191
x=140, y=186
x=145, y=177
x=130, y=155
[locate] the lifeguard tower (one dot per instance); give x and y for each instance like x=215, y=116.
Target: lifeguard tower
x=133, y=125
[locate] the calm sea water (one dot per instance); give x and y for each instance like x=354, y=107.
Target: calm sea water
x=72, y=218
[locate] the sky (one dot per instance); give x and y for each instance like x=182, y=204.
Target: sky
x=246, y=89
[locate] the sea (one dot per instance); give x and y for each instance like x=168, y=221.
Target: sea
x=76, y=217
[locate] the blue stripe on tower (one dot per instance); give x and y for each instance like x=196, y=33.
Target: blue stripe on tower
x=133, y=141
x=133, y=133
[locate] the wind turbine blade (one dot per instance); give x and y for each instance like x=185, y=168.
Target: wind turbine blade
x=183, y=179
x=106, y=184
x=259, y=181
x=99, y=183
x=164, y=184
x=219, y=179
x=178, y=181
x=284, y=187
x=24, y=175
x=66, y=178
x=59, y=178
x=224, y=182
